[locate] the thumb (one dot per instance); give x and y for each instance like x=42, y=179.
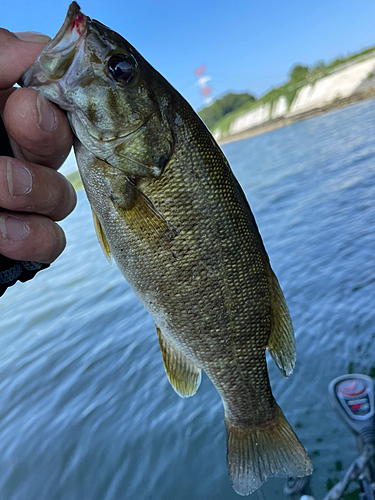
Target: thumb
x=17, y=55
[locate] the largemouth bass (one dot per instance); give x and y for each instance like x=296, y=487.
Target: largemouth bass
x=168, y=208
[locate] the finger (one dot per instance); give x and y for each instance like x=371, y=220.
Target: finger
x=30, y=237
x=40, y=129
x=32, y=188
x=32, y=36
x=16, y=57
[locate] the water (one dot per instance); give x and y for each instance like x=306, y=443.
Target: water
x=86, y=411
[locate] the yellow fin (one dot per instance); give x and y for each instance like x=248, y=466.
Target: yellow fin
x=281, y=344
x=101, y=237
x=141, y=215
x=184, y=376
x=268, y=450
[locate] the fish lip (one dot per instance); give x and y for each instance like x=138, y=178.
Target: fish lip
x=69, y=36
x=74, y=19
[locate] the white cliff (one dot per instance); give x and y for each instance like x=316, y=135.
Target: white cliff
x=337, y=85
x=341, y=83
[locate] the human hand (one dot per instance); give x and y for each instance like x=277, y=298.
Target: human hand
x=33, y=192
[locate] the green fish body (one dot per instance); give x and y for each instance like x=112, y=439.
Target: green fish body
x=169, y=210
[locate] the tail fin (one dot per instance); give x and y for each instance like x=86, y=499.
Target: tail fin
x=269, y=450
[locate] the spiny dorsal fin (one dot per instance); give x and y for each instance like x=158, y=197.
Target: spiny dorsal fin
x=281, y=344
x=184, y=376
x=101, y=237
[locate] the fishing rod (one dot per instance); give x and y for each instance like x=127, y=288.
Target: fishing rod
x=352, y=399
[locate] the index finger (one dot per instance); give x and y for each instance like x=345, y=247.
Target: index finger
x=16, y=56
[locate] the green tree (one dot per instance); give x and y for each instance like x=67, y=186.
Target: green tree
x=298, y=73
x=221, y=107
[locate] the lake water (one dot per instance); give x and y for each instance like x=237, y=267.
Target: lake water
x=86, y=411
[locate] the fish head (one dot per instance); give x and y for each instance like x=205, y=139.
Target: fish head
x=114, y=99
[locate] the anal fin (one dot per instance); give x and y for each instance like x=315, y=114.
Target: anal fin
x=183, y=374
x=281, y=344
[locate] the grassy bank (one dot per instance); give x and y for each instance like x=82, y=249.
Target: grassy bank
x=298, y=77
x=284, y=121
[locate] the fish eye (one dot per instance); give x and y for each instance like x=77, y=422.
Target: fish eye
x=120, y=68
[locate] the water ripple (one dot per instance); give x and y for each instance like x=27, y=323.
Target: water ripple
x=86, y=410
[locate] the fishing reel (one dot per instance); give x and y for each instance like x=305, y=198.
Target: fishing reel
x=353, y=399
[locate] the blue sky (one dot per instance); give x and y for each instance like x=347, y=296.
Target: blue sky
x=246, y=45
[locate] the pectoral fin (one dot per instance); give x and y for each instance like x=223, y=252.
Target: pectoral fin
x=101, y=237
x=281, y=344
x=141, y=214
x=184, y=376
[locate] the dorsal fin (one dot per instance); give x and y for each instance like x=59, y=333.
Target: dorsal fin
x=183, y=374
x=281, y=344
x=101, y=237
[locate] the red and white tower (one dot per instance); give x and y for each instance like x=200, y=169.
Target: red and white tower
x=205, y=89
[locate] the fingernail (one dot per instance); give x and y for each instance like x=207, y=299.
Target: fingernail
x=19, y=179
x=47, y=116
x=13, y=228
x=32, y=36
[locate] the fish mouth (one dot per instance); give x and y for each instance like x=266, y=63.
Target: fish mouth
x=59, y=53
x=74, y=26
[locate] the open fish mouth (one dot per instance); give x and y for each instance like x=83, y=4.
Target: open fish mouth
x=73, y=28
x=59, y=53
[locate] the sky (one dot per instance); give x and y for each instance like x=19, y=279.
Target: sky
x=247, y=46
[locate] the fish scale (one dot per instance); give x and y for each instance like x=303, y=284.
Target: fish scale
x=169, y=210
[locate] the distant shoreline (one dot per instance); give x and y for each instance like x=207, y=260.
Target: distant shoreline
x=284, y=121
